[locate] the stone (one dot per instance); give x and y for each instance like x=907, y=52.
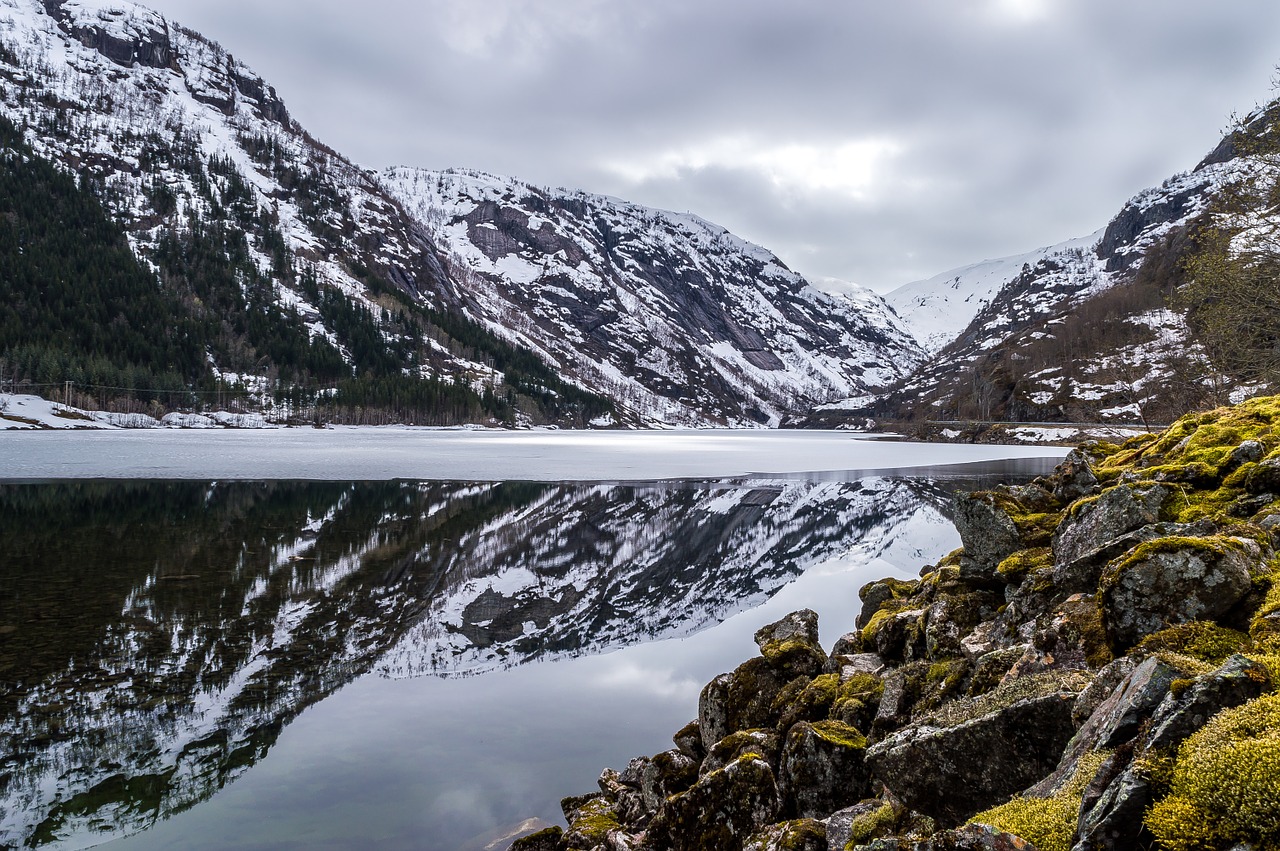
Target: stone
x=840, y=824
x=1115, y=721
x=899, y=635
x=741, y=700
x=550, y=839
x=666, y=774
x=721, y=811
x=822, y=769
x=591, y=824
x=1111, y=675
x=1089, y=526
x=874, y=597
x=901, y=691
x=1264, y=477
x=1174, y=580
x=1074, y=477
x=1084, y=572
x=1238, y=681
x=848, y=664
x=688, y=740
x=801, y=626
x=798, y=835
x=765, y=743
x=977, y=752
x=987, y=532
x=570, y=805
x=791, y=644
x=1114, y=823
x=1248, y=452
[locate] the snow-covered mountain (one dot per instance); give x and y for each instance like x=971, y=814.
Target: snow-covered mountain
x=529, y=299
x=937, y=309
x=203, y=618
x=666, y=311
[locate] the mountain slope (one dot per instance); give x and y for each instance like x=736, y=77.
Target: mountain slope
x=676, y=316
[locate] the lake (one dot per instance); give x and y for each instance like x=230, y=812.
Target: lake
x=408, y=639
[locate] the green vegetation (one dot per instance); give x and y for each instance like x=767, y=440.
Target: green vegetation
x=1201, y=640
x=1047, y=823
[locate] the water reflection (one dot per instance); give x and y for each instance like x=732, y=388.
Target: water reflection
x=155, y=638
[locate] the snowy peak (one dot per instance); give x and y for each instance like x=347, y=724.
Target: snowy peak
x=681, y=319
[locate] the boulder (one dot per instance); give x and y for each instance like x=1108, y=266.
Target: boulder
x=1084, y=572
x=763, y=743
x=591, y=824
x=822, y=769
x=798, y=835
x=863, y=821
x=688, y=740
x=1114, y=822
x=741, y=700
x=550, y=839
x=720, y=811
x=666, y=774
x=987, y=532
x=976, y=752
x=875, y=596
x=1090, y=525
x=1174, y=580
x=1238, y=681
x=1074, y=477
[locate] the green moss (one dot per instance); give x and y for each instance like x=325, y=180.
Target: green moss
x=795, y=835
x=1214, y=546
x=872, y=825
x=594, y=820
x=839, y=734
x=1047, y=823
x=541, y=839
x=1226, y=783
x=811, y=701
x=1006, y=694
x=1023, y=562
x=1201, y=640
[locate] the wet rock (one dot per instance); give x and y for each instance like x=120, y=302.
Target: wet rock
x=1074, y=477
x=667, y=774
x=742, y=700
x=1172, y=581
x=720, y=811
x=987, y=532
x=1238, y=681
x=765, y=743
x=798, y=835
x=688, y=740
x=822, y=769
x=971, y=837
x=976, y=752
x=1089, y=526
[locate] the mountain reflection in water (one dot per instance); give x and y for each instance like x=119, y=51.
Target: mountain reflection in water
x=155, y=637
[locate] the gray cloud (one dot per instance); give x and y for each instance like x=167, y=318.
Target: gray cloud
x=871, y=141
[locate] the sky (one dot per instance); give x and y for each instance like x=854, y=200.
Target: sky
x=874, y=141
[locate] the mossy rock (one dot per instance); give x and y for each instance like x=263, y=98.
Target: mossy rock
x=807, y=701
x=1018, y=565
x=548, y=839
x=1203, y=640
x=592, y=824
x=797, y=835
x=766, y=744
x=741, y=700
x=822, y=769
x=1048, y=823
x=721, y=811
x=1226, y=783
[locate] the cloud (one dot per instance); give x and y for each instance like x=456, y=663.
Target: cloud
x=861, y=140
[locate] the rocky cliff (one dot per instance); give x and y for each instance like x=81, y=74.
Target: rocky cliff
x=1095, y=668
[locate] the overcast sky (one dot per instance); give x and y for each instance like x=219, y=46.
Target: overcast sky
x=878, y=141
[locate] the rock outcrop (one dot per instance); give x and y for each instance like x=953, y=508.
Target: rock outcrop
x=1092, y=671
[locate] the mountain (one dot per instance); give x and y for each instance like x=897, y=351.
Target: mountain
x=1085, y=331
x=671, y=314
x=294, y=279
x=159, y=638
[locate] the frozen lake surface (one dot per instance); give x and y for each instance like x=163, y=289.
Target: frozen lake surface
x=376, y=454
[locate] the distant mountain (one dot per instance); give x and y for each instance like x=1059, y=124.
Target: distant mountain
x=292, y=274
x=672, y=315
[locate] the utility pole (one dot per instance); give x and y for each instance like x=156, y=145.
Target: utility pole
x=67, y=395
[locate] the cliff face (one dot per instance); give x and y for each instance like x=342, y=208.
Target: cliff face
x=1094, y=669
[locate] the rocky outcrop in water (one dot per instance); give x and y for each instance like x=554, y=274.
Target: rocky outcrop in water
x=1093, y=670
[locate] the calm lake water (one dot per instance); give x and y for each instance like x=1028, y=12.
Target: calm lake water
x=207, y=662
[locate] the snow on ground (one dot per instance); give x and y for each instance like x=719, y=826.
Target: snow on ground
x=22, y=412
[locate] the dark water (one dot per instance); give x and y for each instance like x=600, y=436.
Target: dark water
x=391, y=665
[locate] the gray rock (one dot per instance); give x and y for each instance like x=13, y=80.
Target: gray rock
x=1117, y=510
x=858, y=663
x=741, y=700
x=822, y=769
x=840, y=823
x=1116, y=720
x=549, y=839
x=949, y=771
x=1201, y=581
x=766, y=743
x=688, y=740
x=1084, y=572
x=666, y=774
x=901, y=691
x=1074, y=477
x=1248, y=452
x=874, y=597
x=1238, y=681
x=1114, y=823
x=720, y=811
x=987, y=532
x=1264, y=477
x=971, y=837
x=1111, y=675
x=800, y=835
x=802, y=625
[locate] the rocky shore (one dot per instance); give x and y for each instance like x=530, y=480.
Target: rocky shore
x=1096, y=668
